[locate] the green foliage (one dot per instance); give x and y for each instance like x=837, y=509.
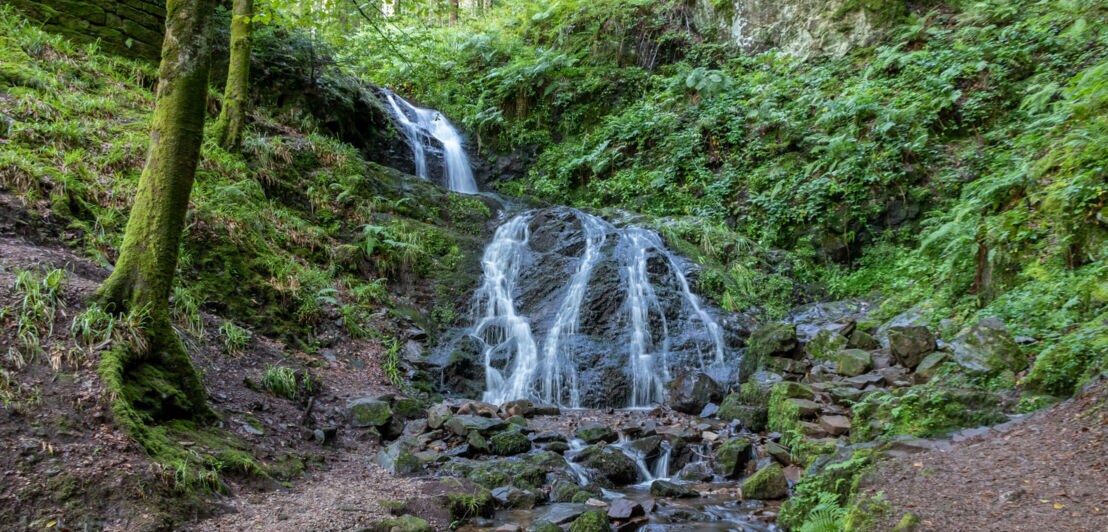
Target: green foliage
x=39, y=298
x=288, y=383
x=820, y=500
x=926, y=411
x=235, y=338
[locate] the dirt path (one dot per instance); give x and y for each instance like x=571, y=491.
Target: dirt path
x=1047, y=472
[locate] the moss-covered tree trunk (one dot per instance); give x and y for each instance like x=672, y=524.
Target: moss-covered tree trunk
x=233, y=116
x=155, y=379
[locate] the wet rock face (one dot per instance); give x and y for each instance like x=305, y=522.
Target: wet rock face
x=598, y=346
x=804, y=28
x=691, y=391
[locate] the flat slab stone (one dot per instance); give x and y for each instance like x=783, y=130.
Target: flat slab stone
x=560, y=513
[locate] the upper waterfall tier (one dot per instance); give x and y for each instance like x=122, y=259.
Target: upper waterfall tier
x=576, y=311
x=427, y=131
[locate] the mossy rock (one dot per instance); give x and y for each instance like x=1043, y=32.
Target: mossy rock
x=790, y=389
x=930, y=365
x=825, y=344
x=771, y=339
x=732, y=456
x=407, y=408
x=398, y=459
x=368, y=413
x=596, y=432
x=853, y=362
x=673, y=490
x=591, y=521
x=509, y=442
x=768, y=483
x=612, y=466
x=752, y=417
x=988, y=348
x=404, y=523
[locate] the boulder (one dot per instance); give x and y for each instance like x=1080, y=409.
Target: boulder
x=695, y=472
x=624, y=508
x=591, y=521
x=646, y=447
x=909, y=343
x=610, y=466
x=930, y=365
x=786, y=365
x=768, y=483
x=406, y=408
x=988, y=348
x=367, y=412
x=519, y=407
x=825, y=344
x=778, y=452
x=691, y=391
x=752, y=417
x=463, y=425
x=438, y=414
x=596, y=432
x=512, y=497
x=732, y=456
x=853, y=362
x=398, y=459
x=806, y=408
x=560, y=513
x=478, y=408
x=835, y=425
x=665, y=488
x=795, y=390
x=772, y=339
x=509, y=442
x=860, y=339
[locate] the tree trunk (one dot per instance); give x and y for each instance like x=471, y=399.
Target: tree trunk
x=454, y=8
x=233, y=115
x=158, y=381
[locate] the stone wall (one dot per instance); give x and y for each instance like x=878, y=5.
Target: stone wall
x=128, y=27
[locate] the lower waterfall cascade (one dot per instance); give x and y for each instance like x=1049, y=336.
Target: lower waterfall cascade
x=657, y=325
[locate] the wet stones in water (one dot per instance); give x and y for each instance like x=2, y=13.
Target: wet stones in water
x=665, y=488
x=732, y=457
x=596, y=432
x=695, y=472
x=625, y=509
x=610, y=466
x=591, y=521
x=768, y=483
x=691, y=391
x=646, y=447
x=909, y=343
x=561, y=513
x=512, y=497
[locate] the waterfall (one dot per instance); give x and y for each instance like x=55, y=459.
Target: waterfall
x=419, y=127
x=504, y=332
x=558, y=375
x=523, y=359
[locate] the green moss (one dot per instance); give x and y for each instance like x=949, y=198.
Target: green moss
x=509, y=442
x=591, y=521
x=926, y=411
x=465, y=506
x=768, y=483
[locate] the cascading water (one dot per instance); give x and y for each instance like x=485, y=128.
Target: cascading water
x=539, y=360
x=421, y=126
x=500, y=328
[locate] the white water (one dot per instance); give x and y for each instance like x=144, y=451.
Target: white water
x=559, y=378
x=420, y=126
x=502, y=330
x=550, y=374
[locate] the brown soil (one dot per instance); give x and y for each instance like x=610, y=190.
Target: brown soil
x=1048, y=471
x=67, y=466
